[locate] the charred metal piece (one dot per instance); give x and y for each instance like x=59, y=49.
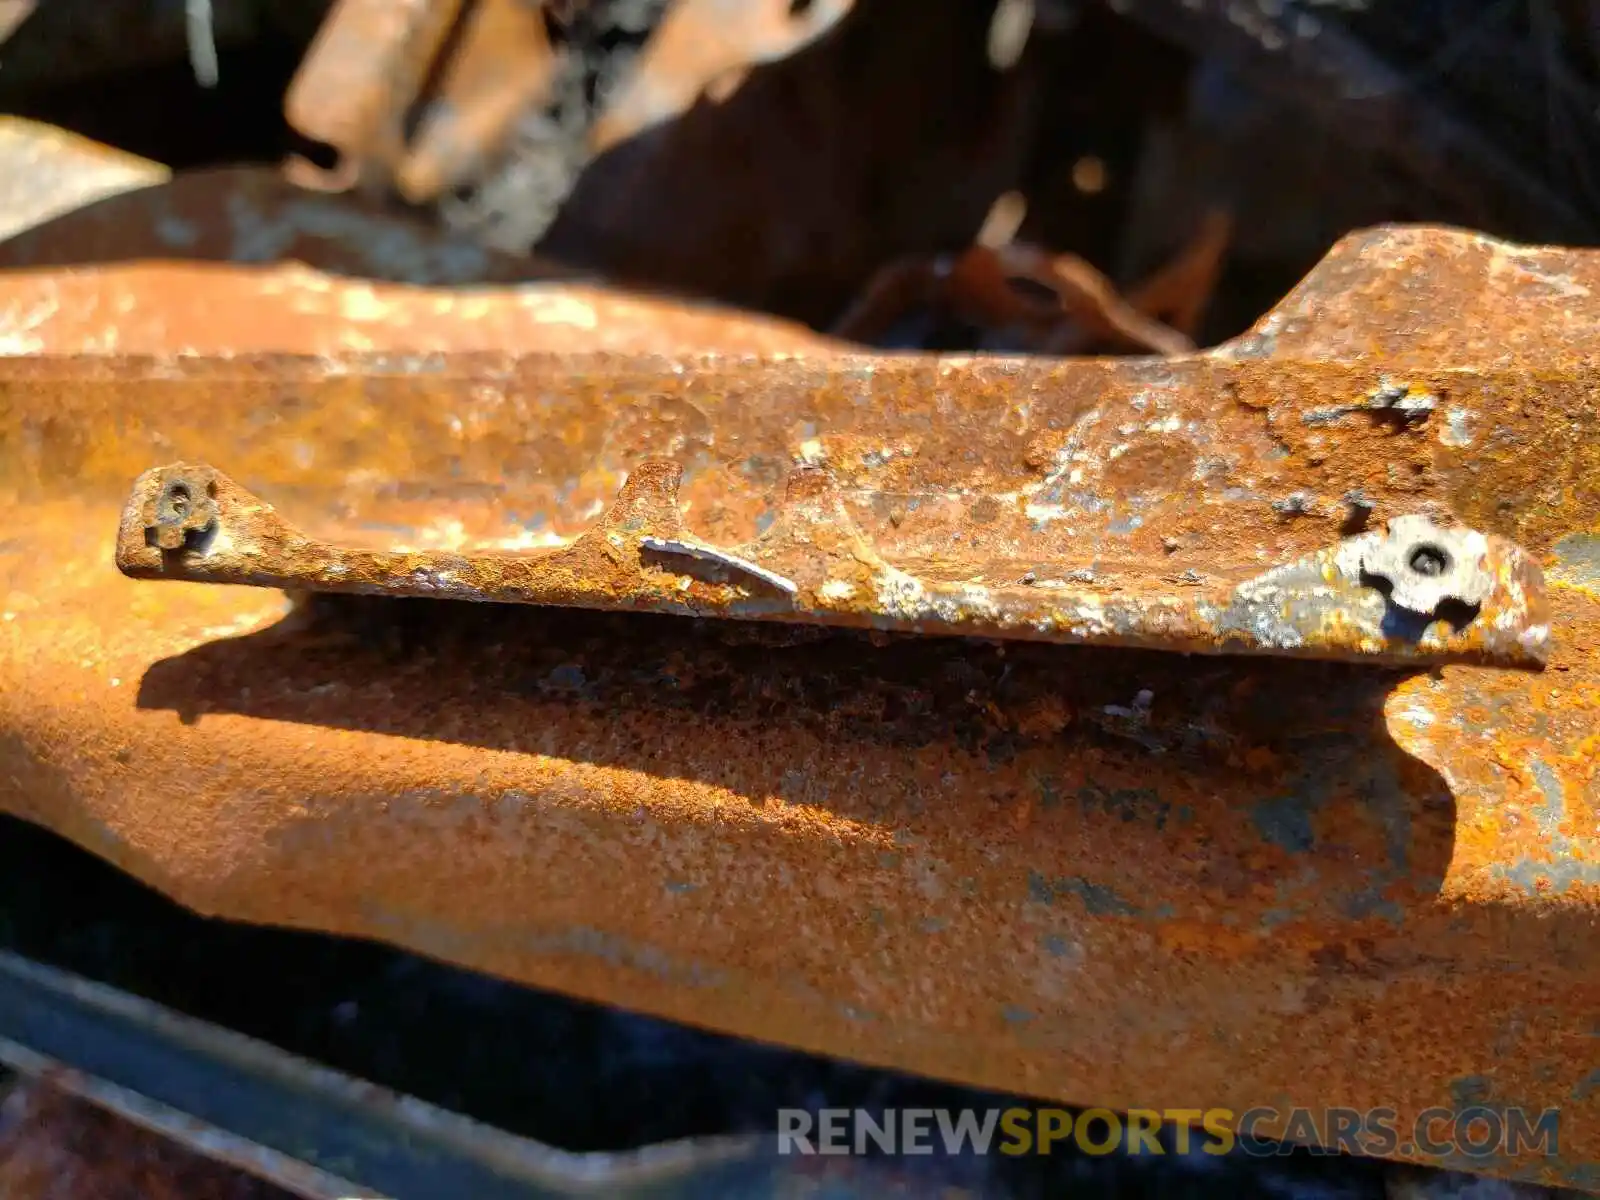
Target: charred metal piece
x=1335, y=603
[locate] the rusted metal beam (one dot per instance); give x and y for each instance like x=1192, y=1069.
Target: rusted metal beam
x=1417, y=593
x=1092, y=874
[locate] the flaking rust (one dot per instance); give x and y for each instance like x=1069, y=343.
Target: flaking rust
x=1101, y=876
x=1418, y=592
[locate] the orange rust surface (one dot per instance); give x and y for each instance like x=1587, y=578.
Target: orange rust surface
x=1262, y=883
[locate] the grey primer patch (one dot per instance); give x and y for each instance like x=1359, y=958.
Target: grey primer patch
x=1285, y=821
x=1056, y=947
x=1579, y=556
x=1565, y=867
x=1100, y=900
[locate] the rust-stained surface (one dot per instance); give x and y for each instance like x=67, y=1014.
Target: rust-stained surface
x=1098, y=875
x=1415, y=592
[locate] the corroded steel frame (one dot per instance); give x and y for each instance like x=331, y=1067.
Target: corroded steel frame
x=1099, y=875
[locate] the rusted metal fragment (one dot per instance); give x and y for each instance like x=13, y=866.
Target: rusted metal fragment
x=502, y=65
x=1102, y=876
x=361, y=75
x=417, y=94
x=45, y=172
x=707, y=46
x=1419, y=593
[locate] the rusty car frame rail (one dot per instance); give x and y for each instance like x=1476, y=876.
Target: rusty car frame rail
x=1418, y=592
x=1089, y=873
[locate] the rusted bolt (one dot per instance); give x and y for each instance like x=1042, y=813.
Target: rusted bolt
x=184, y=514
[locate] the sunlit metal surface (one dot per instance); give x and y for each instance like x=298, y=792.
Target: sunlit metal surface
x=1100, y=875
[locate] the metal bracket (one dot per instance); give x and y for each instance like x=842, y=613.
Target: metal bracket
x=1418, y=593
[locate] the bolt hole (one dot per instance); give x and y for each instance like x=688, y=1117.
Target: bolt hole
x=178, y=497
x=1428, y=560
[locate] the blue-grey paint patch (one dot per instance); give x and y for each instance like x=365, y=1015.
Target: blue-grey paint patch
x=1039, y=889
x=1565, y=868
x=390, y=251
x=1471, y=1091
x=679, y=887
x=1588, y=1086
x=177, y=233
x=765, y=520
x=1049, y=791
x=1369, y=904
x=1578, y=556
x=1288, y=821
x=1285, y=822
x=1018, y=1016
x=1124, y=525
x=1536, y=878
x=934, y=924
x=1131, y=805
x=1055, y=946
x=1553, y=811
x=1099, y=899
x=567, y=677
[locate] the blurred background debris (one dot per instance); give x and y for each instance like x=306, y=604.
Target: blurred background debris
x=800, y=156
